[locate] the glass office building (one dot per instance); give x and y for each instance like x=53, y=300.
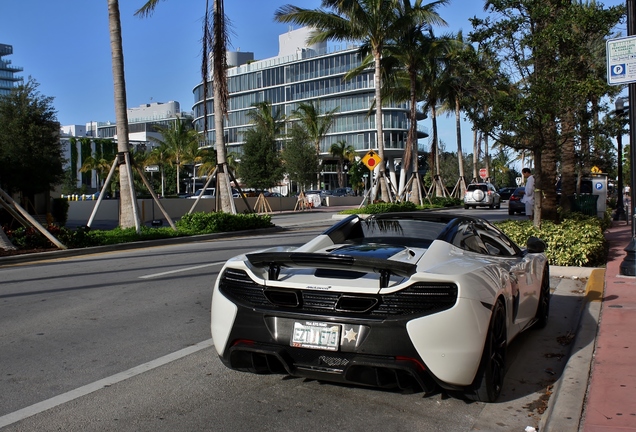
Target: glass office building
x=8, y=79
x=303, y=73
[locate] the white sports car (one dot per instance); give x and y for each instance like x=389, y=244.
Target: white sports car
x=396, y=300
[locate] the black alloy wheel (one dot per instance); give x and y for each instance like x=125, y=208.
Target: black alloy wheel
x=543, y=308
x=490, y=376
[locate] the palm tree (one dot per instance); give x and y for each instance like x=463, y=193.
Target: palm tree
x=458, y=90
x=404, y=84
x=435, y=90
x=315, y=124
x=160, y=156
x=342, y=151
x=176, y=142
x=205, y=161
x=217, y=40
x=372, y=22
x=128, y=214
x=95, y=163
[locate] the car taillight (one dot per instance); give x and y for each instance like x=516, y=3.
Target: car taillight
x=514, y=198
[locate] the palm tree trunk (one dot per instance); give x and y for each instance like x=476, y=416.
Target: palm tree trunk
x=128, y=215
x=568, y=160
x=486, y=155
x=475, y=153
x=545, y=184
x=178, y=163
x=410, y=149
x=460, y=154
x=378, y=123
x=220, y=104
x=435, y=151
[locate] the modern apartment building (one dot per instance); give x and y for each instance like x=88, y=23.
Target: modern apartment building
x=142, y=126
x=143, y=120
x=8, y=78
x=305, y=73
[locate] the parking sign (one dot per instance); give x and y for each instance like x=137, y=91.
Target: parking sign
x=621, y=60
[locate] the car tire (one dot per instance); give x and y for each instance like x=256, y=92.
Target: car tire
x=511, y=212
x=466, y=206
x=543, y=308
x=498, y=206
x=490, y=375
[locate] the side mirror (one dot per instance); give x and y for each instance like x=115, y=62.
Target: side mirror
x=535, y=245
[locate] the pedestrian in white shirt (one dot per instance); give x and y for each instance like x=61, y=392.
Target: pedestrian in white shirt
x=528, y=198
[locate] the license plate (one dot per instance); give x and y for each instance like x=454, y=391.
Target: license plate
x=316, y=335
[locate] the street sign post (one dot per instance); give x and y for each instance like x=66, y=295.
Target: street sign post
x=152, y=168
x=621, y=60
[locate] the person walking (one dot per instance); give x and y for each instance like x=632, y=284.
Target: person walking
x=528, y=198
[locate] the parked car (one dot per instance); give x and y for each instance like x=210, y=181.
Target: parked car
x=514, y=203
x=412, y=300
x=505, y=192
x=346, y=191
x=481, y=195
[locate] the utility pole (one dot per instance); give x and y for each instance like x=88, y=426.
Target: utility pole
x=628, y=266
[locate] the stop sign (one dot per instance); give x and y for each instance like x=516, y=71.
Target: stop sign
x=483, y=173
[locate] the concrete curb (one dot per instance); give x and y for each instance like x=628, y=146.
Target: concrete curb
x=565, y=406
x=42, y=256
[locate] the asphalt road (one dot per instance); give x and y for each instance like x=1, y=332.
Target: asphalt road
x=121, y=341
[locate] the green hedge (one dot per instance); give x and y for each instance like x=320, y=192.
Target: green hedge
x=576, y=241
x=191, y=224
x=203, y=223
x=384, y=207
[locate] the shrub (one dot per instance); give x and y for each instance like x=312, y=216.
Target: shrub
x=203, y=222
x=444, y=202
x=382, y=207
x=59, y=210
x=577, y=241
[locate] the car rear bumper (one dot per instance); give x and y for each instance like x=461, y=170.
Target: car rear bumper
x=372, y=352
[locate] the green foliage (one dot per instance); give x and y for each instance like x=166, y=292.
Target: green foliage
x=261, y=166
x=27, y=238
x=202, y=222
x=357, y=170
x=30, y=150
x=59, y=210
x=301, y=160
x=437, y=202
x=127, y=235
x=190, y=224
x=576, y=241
x=382, y=207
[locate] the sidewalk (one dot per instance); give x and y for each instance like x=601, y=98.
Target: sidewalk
x=597, y=391
x=611, y=400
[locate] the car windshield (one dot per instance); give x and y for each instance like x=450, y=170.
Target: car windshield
x=407, y=232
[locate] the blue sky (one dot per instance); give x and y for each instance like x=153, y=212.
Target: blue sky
x=64, y=45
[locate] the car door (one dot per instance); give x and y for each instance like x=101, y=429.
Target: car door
x=524, y=286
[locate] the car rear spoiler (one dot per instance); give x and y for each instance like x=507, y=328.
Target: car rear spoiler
x=275, y=260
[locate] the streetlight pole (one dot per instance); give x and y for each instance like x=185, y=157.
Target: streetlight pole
x=628, y=266
x=620, y=204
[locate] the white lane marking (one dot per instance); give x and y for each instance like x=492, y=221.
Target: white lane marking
x=97, y=385
x=180, y=270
